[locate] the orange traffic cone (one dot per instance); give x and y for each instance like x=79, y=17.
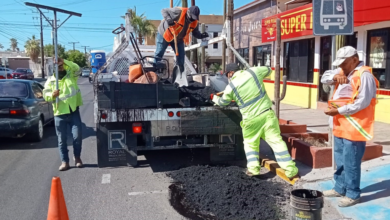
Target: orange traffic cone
x=57, y=207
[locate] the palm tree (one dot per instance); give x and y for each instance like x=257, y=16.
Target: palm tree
x=14, y=44
x=33, y=49
x=1, y=46
x=215, y=67
x=142, y=26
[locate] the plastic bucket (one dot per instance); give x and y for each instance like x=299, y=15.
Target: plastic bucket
x=306, y=204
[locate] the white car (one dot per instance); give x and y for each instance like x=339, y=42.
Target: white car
x=4, y=70
x=85, y=73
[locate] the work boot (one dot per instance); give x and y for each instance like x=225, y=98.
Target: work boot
x=346, y=202
x=64, y=166
x=250, y=174
x=78, y=162
x=331, y=193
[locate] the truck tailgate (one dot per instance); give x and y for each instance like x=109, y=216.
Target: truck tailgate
x=209, y=122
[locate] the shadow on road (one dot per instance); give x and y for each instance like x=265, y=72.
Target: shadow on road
x=49, y=141
x=381, y=189
x=169, y=160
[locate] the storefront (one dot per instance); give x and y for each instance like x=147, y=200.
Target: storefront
x=305, y=57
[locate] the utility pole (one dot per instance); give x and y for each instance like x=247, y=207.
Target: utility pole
x=277, y=68
x=224, y=41
x=184, y=3
x=85, y=50
x=203, y=53
x=42, y=51
x=230, y=18
x=73, y=44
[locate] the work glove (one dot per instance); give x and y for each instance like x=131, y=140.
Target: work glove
x=204, y=35
x=170, y=22
x=211, y=96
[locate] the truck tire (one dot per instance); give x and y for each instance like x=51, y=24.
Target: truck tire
x=37, y=135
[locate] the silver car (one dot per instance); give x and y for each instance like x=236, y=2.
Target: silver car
x=85, y=73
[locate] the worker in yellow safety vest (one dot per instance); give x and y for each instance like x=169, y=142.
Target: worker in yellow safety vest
x=352, y=108
x=247, y=89
x=179, y=22
x=66, y=112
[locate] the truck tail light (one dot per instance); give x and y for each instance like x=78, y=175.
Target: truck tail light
x=19, y=112
x=104, y=115
x=171, y=114
x=178, y=114
x=137, y=128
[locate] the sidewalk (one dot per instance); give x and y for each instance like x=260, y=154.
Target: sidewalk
x=375, y=179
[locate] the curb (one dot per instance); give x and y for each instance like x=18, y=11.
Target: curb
x=274, y=167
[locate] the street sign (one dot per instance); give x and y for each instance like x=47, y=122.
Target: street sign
x=332, y=17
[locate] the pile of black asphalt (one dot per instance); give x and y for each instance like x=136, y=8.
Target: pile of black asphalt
x=225, y=192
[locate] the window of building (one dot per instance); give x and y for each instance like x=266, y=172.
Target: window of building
x=244, y=52
x=215, y=34
x=377, y=51
x=299, y=60
x=262, y=55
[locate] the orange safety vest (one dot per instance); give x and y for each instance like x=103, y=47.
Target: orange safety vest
x=358, y=126
x=178, y=27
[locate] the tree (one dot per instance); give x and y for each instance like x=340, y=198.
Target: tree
x=14, y=44
x=77, y=57
x=1, y=47
x=33, y=49
x=215, y=67
x=142, y=26
x=49, y=51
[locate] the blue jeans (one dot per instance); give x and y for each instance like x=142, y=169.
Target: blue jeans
x=61, y=123
x=348, y=157
x=162, y=46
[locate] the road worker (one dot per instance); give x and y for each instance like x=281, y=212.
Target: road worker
x=66, y=112
x=352, y=108
x=246, y=88
x=179, y=22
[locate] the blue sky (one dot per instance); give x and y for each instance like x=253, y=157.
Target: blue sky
x=93, y=29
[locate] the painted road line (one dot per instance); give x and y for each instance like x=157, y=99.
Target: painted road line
x=274, y=167
x=106, y=178
x=147, y=192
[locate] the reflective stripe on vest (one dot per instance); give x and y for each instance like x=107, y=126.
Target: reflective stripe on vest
x=178, y=27
x=74, y=92
x=257, y=98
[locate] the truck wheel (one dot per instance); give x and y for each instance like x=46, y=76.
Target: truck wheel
x=37, y=135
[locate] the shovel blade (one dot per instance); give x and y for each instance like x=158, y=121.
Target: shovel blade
x=178, y=77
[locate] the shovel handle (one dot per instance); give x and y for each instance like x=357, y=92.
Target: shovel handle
x=174, y=38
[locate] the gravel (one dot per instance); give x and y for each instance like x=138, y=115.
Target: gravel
x=225, y=192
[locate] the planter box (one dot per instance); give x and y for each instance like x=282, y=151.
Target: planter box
x=287, y=126
x=320, y=157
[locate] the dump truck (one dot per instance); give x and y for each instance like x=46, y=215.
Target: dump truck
x=133, y=117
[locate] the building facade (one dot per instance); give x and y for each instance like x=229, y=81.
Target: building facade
x=305, y=57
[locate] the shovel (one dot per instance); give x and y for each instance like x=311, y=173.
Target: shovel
x=177, y=75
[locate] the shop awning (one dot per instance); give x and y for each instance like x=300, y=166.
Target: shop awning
x=371, y=11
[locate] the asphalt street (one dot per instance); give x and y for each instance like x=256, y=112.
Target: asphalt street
x=26, y=170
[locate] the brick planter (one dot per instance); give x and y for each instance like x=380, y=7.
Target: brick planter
x=287, y=126
x=320, y=157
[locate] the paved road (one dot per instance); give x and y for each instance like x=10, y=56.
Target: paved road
x=26, y=170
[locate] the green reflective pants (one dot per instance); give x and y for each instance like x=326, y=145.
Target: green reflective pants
x=266, y=127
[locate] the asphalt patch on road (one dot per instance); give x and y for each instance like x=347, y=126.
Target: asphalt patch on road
x=225, y=192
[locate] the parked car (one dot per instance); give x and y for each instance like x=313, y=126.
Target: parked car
x=91, y=75
x=23, y=111
x=5, y=71
x=85, y=73
x=23, y=73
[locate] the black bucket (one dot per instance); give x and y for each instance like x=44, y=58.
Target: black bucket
x=306, y=204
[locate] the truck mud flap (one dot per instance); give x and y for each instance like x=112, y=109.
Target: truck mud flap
x=210, y=122
x=116, y=145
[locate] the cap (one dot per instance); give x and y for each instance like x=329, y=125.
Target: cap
x=342, y=54
x=194, y=12
x=231, y=67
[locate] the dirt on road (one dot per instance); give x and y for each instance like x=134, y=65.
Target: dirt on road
x=225, y=192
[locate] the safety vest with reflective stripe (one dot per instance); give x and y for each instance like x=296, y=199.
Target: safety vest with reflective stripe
x=70, y=95
x=247, y=89
x=358, y=126
x=178, y=27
